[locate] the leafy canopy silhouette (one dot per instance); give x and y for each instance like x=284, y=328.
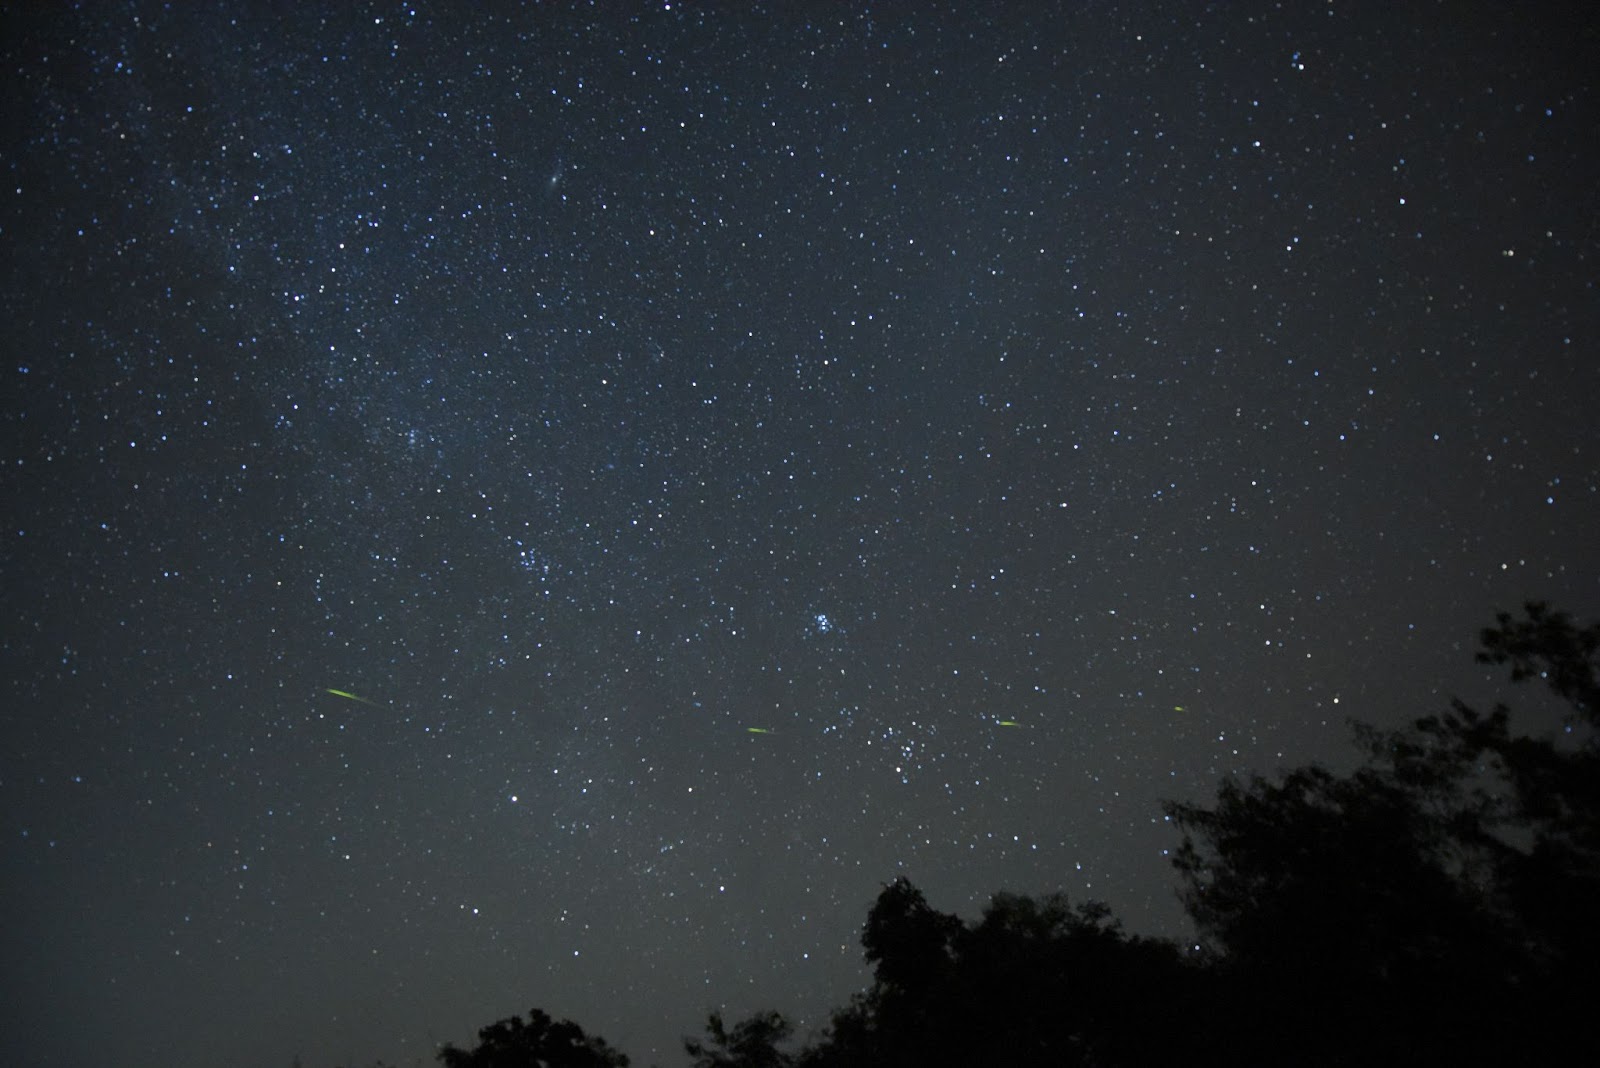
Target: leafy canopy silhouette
x=753, y=1043
x=1448, y=881
x=538, y=1043
x=1436, y=905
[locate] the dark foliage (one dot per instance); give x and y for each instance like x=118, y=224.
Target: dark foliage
x=539, y=1043
x=753, y=1043
x=1387, y=916
x=1035, y=982
x=1436, y=906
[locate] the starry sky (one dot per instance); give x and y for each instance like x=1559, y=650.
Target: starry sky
x=727, y=457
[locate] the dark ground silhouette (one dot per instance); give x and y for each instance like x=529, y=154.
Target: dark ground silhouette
x=1437, y=905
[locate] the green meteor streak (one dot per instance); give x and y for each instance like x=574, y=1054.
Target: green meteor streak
x=759, y=730
x=1007, y=723
x=347, y=695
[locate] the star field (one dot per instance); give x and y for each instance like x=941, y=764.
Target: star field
x=727, y=459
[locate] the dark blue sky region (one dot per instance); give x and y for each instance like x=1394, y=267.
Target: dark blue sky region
x=738, y=455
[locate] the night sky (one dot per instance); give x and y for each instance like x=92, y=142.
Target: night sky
x=727, y=458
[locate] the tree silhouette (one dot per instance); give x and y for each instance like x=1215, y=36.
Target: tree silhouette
x=753, y=1043
x=1034, y=982
x=1436, y=905
x=539, y=1043
x=1072, y=987
x=1385, y=915
x=909, y=942
x=1529, y=807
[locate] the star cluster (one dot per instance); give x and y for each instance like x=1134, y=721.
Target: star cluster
x=725, y=460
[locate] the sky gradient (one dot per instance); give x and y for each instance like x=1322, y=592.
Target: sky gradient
x=557, y=509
